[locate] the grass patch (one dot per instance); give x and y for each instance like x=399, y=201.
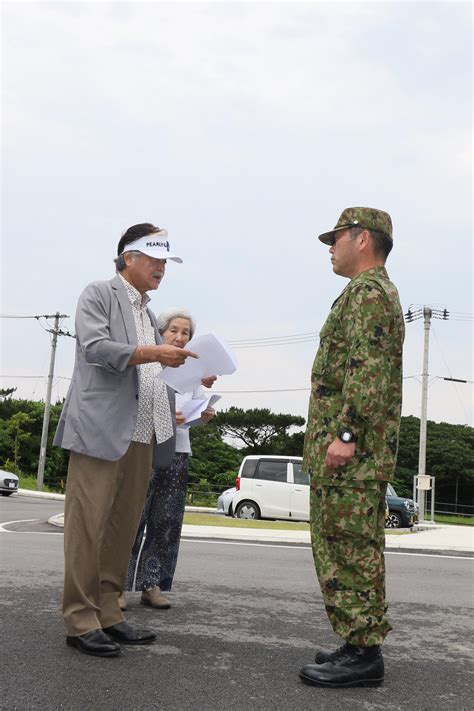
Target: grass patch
x=199, y=519
x=28, y=481
x=457, y=520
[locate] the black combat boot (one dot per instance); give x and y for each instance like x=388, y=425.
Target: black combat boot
x=325, y=655
x=350, y=666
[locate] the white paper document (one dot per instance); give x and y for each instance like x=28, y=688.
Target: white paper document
x=193, y=409
x=215, y=358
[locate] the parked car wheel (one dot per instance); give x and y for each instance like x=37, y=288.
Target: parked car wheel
x=248, y=510
x=394, y=520
x=7, y=493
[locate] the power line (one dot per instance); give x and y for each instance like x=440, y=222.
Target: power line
x=271, y=345
x=277, y=390
x=414, y=313
x=9, y=316
x=62, y=377
x=274, y=338
x=54, y=329
x=453, y=380
x=283, y=390
x=458, y=318
x=36, y=316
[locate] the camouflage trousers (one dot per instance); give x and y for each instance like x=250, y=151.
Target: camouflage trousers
x=348, y=540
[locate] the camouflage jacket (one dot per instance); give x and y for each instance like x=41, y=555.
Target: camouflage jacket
x=356, y=381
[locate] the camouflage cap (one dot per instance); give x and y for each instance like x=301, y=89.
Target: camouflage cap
x=367, y=217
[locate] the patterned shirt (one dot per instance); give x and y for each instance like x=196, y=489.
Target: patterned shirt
x=154, y=415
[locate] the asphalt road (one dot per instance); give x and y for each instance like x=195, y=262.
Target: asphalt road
x=244, y=619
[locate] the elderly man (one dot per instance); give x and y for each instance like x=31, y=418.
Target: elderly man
x=117, y=420
x=351, y=446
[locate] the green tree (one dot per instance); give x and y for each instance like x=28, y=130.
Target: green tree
x=17, y=433
x=25, y=444
x=259, y=430
x=449, y=458
x=214, y=463
x=289, y=444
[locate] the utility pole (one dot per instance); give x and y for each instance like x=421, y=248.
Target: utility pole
x=47, y=406
x=427, y=313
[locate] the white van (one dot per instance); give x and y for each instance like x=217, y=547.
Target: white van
x=270, y=486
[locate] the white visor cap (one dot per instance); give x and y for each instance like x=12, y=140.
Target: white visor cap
x=154, y=245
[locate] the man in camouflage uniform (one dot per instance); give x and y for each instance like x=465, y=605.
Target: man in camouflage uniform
x=351, y=446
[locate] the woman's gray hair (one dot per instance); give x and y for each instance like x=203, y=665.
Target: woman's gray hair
x=165, y=318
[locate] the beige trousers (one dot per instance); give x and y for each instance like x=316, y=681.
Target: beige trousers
x=104, y=501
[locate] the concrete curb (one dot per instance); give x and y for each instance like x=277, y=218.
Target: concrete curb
x=40, y=494
x=57, y=520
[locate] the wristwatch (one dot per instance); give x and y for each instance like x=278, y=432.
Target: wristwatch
x=346, y=436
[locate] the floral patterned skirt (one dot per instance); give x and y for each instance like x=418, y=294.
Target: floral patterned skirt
x=155, y=551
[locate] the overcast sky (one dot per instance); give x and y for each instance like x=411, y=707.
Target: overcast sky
x=244, y=129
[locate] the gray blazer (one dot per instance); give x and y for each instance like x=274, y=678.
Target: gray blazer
x=100, y=411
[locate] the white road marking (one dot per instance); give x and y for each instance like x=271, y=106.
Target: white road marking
x=23, y=520
x=28, y=520
x=297, y=546
x=235, y=543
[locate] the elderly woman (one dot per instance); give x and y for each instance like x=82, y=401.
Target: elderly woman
x=155, y=551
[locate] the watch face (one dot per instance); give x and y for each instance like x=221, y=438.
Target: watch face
x=346, y=436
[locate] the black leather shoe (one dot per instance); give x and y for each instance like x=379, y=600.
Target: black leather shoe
x=125, y=634
x=96, y=643
x=356, y=666
x=326, y=655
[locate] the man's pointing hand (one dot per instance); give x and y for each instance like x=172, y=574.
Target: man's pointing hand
x=172, y=356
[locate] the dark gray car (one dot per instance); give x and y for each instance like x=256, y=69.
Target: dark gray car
x=403, y=512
